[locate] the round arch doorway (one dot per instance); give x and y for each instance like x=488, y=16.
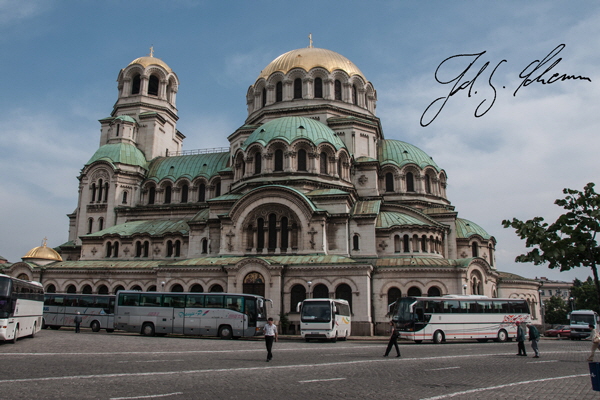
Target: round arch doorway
x=254, y=283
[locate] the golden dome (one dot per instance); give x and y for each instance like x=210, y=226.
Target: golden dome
x=308, y=58
x=150, y=60
x=43, y=253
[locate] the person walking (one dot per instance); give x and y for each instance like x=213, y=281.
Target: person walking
x=77, y=321
x=521, y=339
x=595, y=341
x=270, y=330
x=534, y=336
x=393, y=341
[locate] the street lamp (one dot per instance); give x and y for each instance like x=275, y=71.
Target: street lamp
x=571, y=301
x=309, y=283
x=465, y=288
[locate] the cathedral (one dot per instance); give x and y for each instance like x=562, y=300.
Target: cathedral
x=309, y=200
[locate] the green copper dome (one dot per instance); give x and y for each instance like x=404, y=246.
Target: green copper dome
x=119, y=153
x=290, y=129
x=466, y=229
x=401, y=153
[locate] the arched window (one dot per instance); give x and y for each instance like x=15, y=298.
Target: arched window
x=396, y=243
x=257, y=163
x=354, y=96
x=260, y=234
x=93, y=192
x=90, y=225
x=318, y=88
x=87, y=289
x=474, y=249
x=414, y=292
x=216, y=289
x=355, y=242
x=204, y=246
x=434, y=291
x=323, y=163
x=100, y=189
x=152, y=288
x=338, y=90
x=124, y=201
x=320, y=292
x=279, y=92
x=176, y=288
x=168, y=192
x=100, y=223
x=491, y=254
x=71, y=289
x=410, y=182
x=117, y=288
x=138, y=249
x=297, y=88
x=105, y=191
x=264, y=97
x=202, y=192
x=116, y=249
x=344, y=292
x=393, y=294
x=184, y=193
x=297, y=295
x=108, y=249
x=51, y=289
x=146, y=248
x=102, y=289
x=178, y=248
x=136, y=287
x=406, y=242
x=424, y=244
x=254, y=283
x=278, y=160
x=153, y=85
x=301, y=160
x=389, y=182
x=284, y=233
x=272, y=232
x=217, y=188
x=197, y=288
x=169, y=248
x=151, y=195
x=427, y=184
x=135, y=84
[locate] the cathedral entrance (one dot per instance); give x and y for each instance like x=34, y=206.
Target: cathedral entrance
x=254, y=283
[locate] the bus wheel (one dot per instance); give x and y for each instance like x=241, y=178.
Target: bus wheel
x=438, y=337
x=55, y=327
x=307, y=340
x=14, y=339
x=33, y=331
x=225, y=332
x=44, y=326
x=110, y=330
x=148, y=329
x=418, y=341
x=334, y=339
x=95, y=325
x=502, y=336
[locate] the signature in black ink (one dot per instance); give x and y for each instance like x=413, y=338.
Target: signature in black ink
x=536, y=72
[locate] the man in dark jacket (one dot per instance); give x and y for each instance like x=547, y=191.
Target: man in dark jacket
x=534, y=336
x=521, y=339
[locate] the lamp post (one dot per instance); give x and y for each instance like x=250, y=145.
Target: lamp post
x=309, y=283
x=465, y=289
x=542, y=311
x=571, y=301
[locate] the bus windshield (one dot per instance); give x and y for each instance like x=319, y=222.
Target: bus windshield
x=5, y=289
x=403, y=310
x=316, y=311
x=582, y=319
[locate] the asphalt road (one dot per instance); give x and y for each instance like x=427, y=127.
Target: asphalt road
x=64, y=365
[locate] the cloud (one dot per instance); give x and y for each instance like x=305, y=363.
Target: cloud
x=14, y=12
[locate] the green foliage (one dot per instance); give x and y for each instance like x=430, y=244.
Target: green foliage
x=568, y=242
x=585, y=296
x=556, y=311
x=284, y=321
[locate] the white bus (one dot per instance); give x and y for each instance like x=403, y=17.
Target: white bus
x=97, y=310
x=21, y=304
x=328, y=319
x=458, y=317
x=579, y=321
x=226, y=315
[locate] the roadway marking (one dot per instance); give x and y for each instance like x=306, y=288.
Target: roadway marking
x=152, y=396
x=539, y=362
x=148, y=361
x=322, y=380
x=441, y=369
x=446, y=396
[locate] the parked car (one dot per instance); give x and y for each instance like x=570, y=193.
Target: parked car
x=559, y=331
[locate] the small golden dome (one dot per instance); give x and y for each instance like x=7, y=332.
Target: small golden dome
x=150, y=60
x=309, y=58
x=43, y=253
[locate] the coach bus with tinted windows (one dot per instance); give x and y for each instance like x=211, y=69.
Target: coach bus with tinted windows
x=458, y=317
x=226, y=315
x=328, y=319
x=96, y=310
x=21, y=305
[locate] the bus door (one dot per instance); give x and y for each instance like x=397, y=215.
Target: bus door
x=178, y=316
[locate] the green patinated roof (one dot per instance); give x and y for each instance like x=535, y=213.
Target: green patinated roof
x=206, y=165
x=105, y=264
x=225, y=197
x=153, y=228
x=466, y=229
x=326, y=192
x=513, y=277
x=366, y=207
x=401, y=153
x=290, y=129
x=285, y=260
x=365, y=159
x=422, y=262
x=126, y=118
x=387, y=219
x=202, y=215
x=299, y=193
x=120, y=153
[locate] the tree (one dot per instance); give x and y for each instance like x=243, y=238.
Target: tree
x=556, y=311
x=584, y=294
x=568, y=242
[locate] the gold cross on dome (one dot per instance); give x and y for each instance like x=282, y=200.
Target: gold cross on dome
x=152, y=51
x=310, y=41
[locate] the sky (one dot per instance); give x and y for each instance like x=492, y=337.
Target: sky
x=508, y=142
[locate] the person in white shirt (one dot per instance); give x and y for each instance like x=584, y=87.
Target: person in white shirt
x=270, y=336
x=595, y=342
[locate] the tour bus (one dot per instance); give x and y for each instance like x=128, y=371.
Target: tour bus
x=458, y=317
x=97, y=310
x=580, y=321
x=328, y=319
x=21, y=304
x=227, y=315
